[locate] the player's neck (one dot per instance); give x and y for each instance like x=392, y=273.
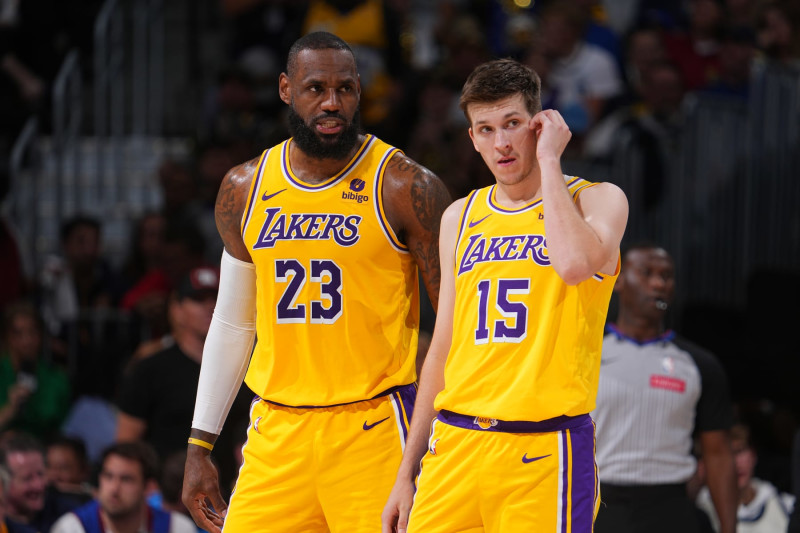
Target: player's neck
x=521, y=193
x=312, y=169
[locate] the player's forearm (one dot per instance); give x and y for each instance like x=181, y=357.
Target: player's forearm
x=228, y=345
x=570, y=240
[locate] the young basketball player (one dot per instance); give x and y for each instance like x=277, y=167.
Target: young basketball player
x=528, y=267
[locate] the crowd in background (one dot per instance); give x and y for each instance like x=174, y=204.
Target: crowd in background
x=79, y=334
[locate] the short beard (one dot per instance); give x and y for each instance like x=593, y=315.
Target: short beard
x=321, y=146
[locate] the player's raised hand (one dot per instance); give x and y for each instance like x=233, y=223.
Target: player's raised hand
x=394, y=518
x=201, y=494
x=552, y=134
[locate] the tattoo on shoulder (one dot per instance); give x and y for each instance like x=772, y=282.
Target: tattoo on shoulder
x=429, y=197
x=232, y=196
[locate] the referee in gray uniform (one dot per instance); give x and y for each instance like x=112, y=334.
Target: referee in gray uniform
x=657, y=392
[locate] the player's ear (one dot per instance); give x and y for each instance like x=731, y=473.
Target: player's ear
x=283, y=89
x=472, y=138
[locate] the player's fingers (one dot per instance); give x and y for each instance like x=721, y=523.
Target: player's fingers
x=219, y=505
x=200, y=514
x=388, y=518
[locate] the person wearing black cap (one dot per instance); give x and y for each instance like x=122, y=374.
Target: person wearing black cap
x=156, y=398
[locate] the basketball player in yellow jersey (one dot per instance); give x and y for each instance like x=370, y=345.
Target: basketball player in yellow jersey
x=324, y=236
x=528, y=267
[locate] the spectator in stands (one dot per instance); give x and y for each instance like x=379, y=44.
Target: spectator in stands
x=30, y=499
x=34, y=396
x=6, y=524
x=146, y=258
x=645, y=49
x=696, y=50
x=779, y=31
x=583, y=77
x=762, y=509
x=657, y=390
x=67, y=465
x=127, y=472
x=736, y=54
x=79, y=280
x=156, y=398
x=182, y=249
x=742, y=13
x=648, y=133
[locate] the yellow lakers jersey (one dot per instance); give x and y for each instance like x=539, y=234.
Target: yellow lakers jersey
x=338, y=298
x=526, y=346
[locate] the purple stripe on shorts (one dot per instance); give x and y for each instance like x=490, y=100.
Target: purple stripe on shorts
x=584, y=480
x=405, y=397
x=565, y=484
x=558, y=423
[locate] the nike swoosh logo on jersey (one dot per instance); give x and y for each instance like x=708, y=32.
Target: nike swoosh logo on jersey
x=370, y=426
x=268, y=196
x=526, y=459
x=475, y=223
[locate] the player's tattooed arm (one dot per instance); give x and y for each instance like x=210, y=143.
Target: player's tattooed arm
x=414, y=200
x=230, y=206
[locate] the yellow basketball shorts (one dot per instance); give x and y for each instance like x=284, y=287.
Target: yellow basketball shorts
x=320, y=469
x=488, y=475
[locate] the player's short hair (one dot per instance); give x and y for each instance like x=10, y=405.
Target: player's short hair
x=138, y=451
x=318, y=40
x=499, y=79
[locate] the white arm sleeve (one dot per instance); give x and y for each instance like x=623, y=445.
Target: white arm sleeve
x=228, y=345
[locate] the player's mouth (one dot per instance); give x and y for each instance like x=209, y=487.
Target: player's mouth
x=329, y=126
x=660, y=303
x=505, y=161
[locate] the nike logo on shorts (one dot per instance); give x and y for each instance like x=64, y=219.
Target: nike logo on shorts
x=370, y=426
x=526, y=459
x=268, y=196
x=475, y=223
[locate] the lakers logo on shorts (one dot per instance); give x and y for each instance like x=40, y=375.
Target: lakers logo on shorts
x=485, y=423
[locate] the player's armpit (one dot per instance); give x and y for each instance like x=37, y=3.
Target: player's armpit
x=414, y=199
x=230, y=206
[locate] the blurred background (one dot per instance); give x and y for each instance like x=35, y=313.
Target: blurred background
x=119, y=119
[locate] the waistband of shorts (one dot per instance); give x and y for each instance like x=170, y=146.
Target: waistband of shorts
x=478, y=423
x=387, y=392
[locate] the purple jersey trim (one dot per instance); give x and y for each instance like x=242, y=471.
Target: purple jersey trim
x=287, y=173
x=256, y=187
x=494, y=206
x=378, y=202
x=558, y=423
x=565, y=482
x=462, y=226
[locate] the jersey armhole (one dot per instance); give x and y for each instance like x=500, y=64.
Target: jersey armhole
x=255, y=186
x=380, y=212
